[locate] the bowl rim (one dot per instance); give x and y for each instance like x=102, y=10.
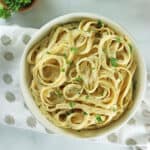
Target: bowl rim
x=29, y=99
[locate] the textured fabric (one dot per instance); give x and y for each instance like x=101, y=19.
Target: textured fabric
x=13, y=111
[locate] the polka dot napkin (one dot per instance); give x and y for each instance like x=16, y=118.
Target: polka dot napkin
x=13, y=111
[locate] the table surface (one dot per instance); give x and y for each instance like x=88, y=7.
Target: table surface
x=134, y=15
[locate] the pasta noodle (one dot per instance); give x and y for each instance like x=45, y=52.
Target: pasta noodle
x=82, y=74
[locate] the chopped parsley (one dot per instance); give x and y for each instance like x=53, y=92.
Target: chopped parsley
x=98, y=118
x=69, y=62
x=114, y=108
x=79, y=92
x=65, y=55
x=99, y=23
x=48, y=52
x=130, y=46
x=74, y=49
x=113, y=62
x=102, y=93
x=118, y=39
x=58, y=93
x=62, y=70
x=85, y=113
x=71, y=104
x=79, y=79
x=87, y=96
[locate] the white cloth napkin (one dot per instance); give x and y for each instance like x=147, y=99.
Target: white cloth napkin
x=13, y=111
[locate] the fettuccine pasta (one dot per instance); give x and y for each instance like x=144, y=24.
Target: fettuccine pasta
x=82, y=74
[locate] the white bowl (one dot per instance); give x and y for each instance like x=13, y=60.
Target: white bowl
x=24, y=79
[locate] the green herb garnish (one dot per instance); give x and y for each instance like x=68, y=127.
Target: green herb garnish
x=113, y=62
x=87, y=96
x=65, y=55
x=79, y=92
x=99, y=23
x=48, y=52
x=58, y=93
x=118, y=39
x=130, y=46
x=85, y=113
x=4, y=13
x=71, y=104
x=13, y=6
x=62, y=70
x=69, y=62
x=79, y=79
x=98, y=118
x=114, y=108
x=102, y=93
x=74, y=49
